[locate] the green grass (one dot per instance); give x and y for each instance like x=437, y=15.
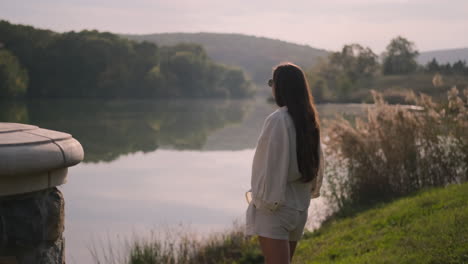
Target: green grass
x=430, y=226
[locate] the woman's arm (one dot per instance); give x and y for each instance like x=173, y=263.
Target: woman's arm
x=271, y=164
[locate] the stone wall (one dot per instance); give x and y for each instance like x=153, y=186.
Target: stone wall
x=31, y=227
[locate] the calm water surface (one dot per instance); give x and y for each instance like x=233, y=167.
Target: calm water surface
x=150, y=165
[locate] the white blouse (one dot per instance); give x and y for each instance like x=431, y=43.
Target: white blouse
x=275, y=179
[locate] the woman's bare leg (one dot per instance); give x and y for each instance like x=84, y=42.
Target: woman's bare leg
x=275, y=251
x=292, y=248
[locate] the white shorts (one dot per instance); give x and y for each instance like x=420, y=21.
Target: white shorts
x=284, y=223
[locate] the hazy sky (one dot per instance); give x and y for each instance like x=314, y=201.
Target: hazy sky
x=431, y=24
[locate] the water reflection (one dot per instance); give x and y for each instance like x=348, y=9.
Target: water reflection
x=108, y=129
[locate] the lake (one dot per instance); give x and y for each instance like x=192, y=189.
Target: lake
x=152, y=165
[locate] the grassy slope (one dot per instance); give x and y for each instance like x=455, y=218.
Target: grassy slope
x=428, y=227
x=394, y=87
x=391, y=85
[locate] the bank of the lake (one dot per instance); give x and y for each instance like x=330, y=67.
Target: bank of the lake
x=429, y=226
x=380, y=171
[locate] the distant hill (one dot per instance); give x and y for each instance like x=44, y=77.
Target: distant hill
x=444, y=56
x=256, y=55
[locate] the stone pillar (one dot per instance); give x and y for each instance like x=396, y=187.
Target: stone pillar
x=33, y=161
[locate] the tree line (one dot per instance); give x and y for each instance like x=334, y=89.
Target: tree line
x=460, y=67
x=355, y=69
x=92, y=64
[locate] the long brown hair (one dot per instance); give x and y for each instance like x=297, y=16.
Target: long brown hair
x=291, y=89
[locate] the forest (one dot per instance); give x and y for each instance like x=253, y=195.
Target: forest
x=36, y=63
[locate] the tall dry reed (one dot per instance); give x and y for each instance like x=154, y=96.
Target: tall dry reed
x=397, y=149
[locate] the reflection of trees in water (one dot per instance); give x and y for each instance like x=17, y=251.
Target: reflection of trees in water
x=13, y=111
x=108, y=129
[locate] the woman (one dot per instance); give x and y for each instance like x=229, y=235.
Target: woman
x=287, y=168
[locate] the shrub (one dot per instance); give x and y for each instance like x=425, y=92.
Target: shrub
x=397, y=150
